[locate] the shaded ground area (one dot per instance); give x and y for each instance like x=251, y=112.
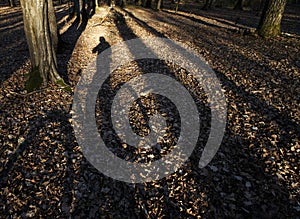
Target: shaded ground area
x=254, y=174
x=238, y=18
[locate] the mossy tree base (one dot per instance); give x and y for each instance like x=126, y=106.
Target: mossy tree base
x=269, y=25
x=269, y=31
x=35, y=81
x=63, y=85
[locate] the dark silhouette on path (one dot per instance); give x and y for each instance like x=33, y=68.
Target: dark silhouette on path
x=103, y=45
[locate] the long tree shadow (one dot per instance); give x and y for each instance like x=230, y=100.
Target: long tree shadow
x=12, y=42
x=146, y=192
x=133, y=202
x=97, y=195
x=250, y=19
x=235, y=155
x=46, y=170
x=42, y=162
x=193, y=19
x=68, y=42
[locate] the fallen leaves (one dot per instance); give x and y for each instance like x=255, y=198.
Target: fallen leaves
x=255, y=173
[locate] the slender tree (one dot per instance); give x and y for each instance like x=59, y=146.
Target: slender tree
x=76, y=9
x=208, y=4
x=12, y=3
x=138, y=2
x=159, y=4
x=177, y=6
x=79, y=10
x=41, y=34
x=238, y=5
x=269, y=25
x=123, y=3
x=147, y=3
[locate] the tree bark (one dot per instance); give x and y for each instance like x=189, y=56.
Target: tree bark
x=41, y=34
x=269, y=25
x=208, y=5
x=80, y=10
x=238, y=5
x=84, y=13
x=158, y=5
x=12, y=3
x=123, y=3
x=177, y=6
x=148, y=3
x=138, y=2
x=76, y=10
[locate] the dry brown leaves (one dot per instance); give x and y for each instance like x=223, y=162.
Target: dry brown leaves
x=254, y=174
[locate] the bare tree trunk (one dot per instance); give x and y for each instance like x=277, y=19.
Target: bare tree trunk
x=80, y=10
x=238, y=5
x=148, y=3
x=261, y=5
x=111, y=3
x=123, y=3
x=269, y=25
x=219, y=3
x=208, y=4
x=84, y=13
x=177, y=6
x=12, y=3
x=76, y=10
x=138, y=2
x=158, y=6
x=41, y=34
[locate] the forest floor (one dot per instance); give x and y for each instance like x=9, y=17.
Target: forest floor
x=255, y=173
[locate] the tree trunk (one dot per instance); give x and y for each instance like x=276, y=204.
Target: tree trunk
x=158, y=6
x=84, y=13
x=123, y=3
x=261, y=5
x=76, y=10
x=138, y=2
x=177, y=6
x=269, y=25
x=208, y=5
x=238, y=5
x=12, y=3
x=41, y=34
x=218, y=3
x=148, y=3
x=80, y=10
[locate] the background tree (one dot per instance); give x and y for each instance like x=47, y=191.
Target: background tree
x=158, y=4
x=80, y=9
x=41, y=34
x=138, y=2
x=177, y=6
x=208, y=4
x=257, y=5
x=76, y=9
x=123, y=3
x=147, y=3
x=238, y=5
x=12, y=3
x=96, y=4
x=269, y=25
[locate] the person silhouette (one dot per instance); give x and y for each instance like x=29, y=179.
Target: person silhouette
x=103, y=45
